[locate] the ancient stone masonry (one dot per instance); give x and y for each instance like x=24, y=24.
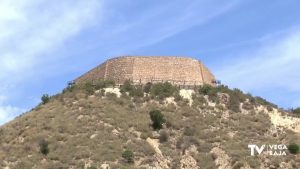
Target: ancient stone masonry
x=142, y=69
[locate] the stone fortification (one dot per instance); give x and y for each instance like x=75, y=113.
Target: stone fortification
x=140, y=69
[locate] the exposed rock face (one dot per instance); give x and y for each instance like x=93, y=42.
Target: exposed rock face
x=177, y=70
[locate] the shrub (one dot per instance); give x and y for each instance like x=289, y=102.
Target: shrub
x=89, y=88
x=163, y=90
x=157, y=119
x=128, y=155
x=45, y=98
x=136, y=91
x=100, y=84
x=147, y=87
x=127, y=86
x=205, y=89
x=92, y=167
x=44, y=147
x=293, y=148
x=234, y=103
x=163, y=136
x=296, y=111
x=189, y=131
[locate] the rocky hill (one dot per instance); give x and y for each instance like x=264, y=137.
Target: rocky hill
x=155, y=126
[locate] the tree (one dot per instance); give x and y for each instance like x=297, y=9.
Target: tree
x=44, y=147
x=293, y=148
x=128, y=155
x=157, y=119
x=45, y=98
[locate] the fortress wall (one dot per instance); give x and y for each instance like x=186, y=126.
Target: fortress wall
x=96, y=73
x=177, y=70
x=119, y=69
x=208, y=77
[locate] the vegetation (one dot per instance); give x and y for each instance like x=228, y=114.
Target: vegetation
x=293, y=148
x=163, y=136
x=44, y=147
x=116, y=130
x=163, y=90
x=157, y=119
x=296, y=111
x=205, y=89
x=45, y=98
x=92, y=167
x=128, y=155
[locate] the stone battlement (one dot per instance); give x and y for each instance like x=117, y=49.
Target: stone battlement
x=142, y=69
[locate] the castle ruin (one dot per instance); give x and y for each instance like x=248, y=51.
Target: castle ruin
x=179, y=71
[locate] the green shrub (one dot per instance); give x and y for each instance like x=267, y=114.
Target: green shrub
x=45, y=98
x=157, y=119
x=100, y=84
x=147, y=87
x=44, y=147
x=163, y=90
x=205, y=89
x=136, y=91
x=293, y=148
x=296, y=111
x=89, y=88
x=128, y=155
x=127, y=86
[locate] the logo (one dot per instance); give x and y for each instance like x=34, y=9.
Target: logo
x=272, y=149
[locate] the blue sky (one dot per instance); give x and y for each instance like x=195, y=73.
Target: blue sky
x=248, y=44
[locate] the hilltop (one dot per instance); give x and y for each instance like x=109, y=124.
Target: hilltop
x=96, y=125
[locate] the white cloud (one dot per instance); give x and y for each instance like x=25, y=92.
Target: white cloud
x=29, y=30
x=273, y=65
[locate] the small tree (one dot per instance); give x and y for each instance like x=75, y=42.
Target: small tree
x=45, y=98
x=293, y=148
x=157, y=119
x=44, y=147
x=128, y=155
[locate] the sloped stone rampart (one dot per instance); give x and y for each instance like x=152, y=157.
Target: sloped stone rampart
x=142, y=69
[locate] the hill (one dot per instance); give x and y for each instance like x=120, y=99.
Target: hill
x=98, y=126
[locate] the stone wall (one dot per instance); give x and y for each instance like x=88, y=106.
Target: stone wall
x=177, y=70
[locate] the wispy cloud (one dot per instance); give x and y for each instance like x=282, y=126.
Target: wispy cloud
x=30, y=29
x=274, y=66
x=157, y=23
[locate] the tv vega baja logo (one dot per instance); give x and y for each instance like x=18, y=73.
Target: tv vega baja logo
x=273, y=149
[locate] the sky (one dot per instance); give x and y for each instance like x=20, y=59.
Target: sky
x=252, y=45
